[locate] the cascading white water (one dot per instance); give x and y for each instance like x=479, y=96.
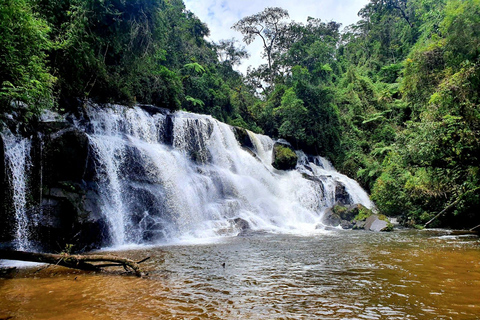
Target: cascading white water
x=198, y=182
x=113, y=130
x=18, y=161
x=321, y=167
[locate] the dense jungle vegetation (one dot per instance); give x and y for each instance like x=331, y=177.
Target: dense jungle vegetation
x=392, y=100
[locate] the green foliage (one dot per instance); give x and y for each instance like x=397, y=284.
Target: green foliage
x=116, y=51
x=24, y=45
x=194, y=67
x=363, y=214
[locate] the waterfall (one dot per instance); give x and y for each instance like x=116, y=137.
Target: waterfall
x=115, y=131
x=18, y=163
x=320, y=167
x=196, y=184
x=160, y=176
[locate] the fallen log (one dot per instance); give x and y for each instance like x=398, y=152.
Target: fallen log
x=81, y=262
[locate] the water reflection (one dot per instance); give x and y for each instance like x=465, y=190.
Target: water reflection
x=338, y=275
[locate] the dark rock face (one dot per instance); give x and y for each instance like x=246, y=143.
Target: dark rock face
x=6, y=218
x=70, y=202
x=151, y=109
x=242, y=137
x=65, y=157
x=145, y=199
x=63, y=200
x=341, y=195
x=168, y=130
x=197, y=133
x=284, y=157
x=70, y=215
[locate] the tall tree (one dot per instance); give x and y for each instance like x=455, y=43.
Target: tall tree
x=269, y=26
x=229, y=53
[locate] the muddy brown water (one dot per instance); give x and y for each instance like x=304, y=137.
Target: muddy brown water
x=333, y=275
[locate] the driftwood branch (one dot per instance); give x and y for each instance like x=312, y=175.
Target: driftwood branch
x=81, y=262
x=475, y=228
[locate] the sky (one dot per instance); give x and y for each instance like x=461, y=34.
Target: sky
x=221, y=15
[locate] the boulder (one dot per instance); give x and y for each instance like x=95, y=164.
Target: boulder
x=348, y=217
x=345, y=224
x=284, y=157
x=242, y=225
x=331, y=218
x=376, y=224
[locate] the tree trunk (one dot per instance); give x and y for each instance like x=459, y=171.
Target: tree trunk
x=81, y=262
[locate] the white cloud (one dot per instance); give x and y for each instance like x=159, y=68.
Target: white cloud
x=220, y=15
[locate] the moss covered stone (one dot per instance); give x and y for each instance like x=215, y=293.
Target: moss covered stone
x=284, y=158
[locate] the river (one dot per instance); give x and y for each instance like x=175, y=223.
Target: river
x=336, y=274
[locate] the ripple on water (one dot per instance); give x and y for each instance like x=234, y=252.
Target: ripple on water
x=342, y=275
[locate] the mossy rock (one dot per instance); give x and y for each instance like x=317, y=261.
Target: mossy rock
x=362, y=213
x=284, y=158
x=356, y=217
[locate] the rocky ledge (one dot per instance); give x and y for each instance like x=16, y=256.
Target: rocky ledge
x=356, y=217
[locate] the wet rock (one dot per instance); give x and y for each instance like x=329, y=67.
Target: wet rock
x=284, y=157
x=341, y=195
x=331, y=218
x=359, y=225
x=6, y=216
x=152, y=110
x=168, y=130
x=243, y=137
x=133, y=166
x=68, y=198
x=65, y=156
x=374, y=223
x=71, y=215
x=242, y=225
x=345, y=224
x=147, y=221
x=345, y=216
x=197, y=133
